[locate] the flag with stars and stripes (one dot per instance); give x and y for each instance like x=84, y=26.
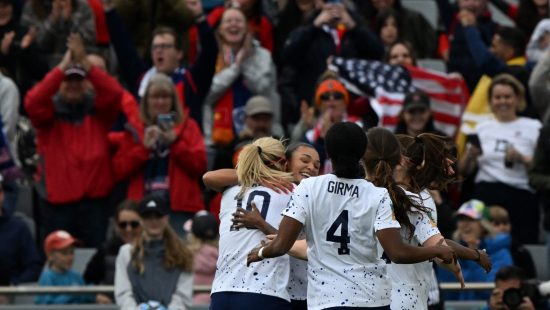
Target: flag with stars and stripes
x=387, y=86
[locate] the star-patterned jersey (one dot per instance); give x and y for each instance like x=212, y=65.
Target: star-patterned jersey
x=270, y=276
x=341, y=217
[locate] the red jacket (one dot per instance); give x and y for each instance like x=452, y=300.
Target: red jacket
x=75, y=152
x=186, y=165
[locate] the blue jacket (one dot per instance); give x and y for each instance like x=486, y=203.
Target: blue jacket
x=498, y=248
x=68, y=278
x=19, y=262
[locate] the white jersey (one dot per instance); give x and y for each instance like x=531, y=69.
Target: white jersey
x=495, y=137
x=340, y=217
x=270, y=276
x=410, y=282
x=297, y=284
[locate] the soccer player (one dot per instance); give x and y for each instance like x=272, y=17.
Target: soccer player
x=302, y=162
x=237, y=286
x=345, y=217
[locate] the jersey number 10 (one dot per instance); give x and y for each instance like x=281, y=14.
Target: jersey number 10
x=343, y=239
x=263, y=210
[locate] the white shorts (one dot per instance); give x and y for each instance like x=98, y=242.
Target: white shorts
x=406, y=296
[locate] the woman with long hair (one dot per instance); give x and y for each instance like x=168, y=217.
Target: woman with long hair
x=243, y=69
x=153, y=153
x=345, y=217
x=156, y=269
x=264, y=285
x=302, y=162
x=101, y=268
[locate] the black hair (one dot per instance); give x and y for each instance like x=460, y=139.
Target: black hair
x=346, y=144
x=510, y=273
x=514, y=38
x=528, y=16
x=407, y=44
x=294, y=146
x=383, y=16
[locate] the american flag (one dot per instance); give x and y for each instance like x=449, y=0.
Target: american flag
x=387, y=85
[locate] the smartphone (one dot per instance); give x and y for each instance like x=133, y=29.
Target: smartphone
x=165, y=121
x=474, y=140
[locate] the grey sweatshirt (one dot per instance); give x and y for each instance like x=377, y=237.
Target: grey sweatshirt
x=173, y=288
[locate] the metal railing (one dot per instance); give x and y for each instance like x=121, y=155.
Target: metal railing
x=109, y=289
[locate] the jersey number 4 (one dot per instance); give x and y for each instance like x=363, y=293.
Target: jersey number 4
x=343, y=239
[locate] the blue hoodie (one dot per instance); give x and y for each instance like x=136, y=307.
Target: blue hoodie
x=498, y=248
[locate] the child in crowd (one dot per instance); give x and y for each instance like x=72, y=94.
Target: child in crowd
x=502, y=227
x=474, y=230
x=59, y=249
x=203, y=235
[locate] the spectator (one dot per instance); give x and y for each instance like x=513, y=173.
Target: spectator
x=331, y=99
x=192, y=83
x=416, y=117
x=155, y=156
x=475, y=231
x=400, y=53
x=418, y=30
x=19, y=56
x=472, y=14
x=59, y=248
x=258, y=123
x=142, y=17
x=529, y=14
x=537, y=48
x=539, y=85
x=243, y=69
x=388, y=27
x=539, y=176
x=54, y=21
x=332, y=31
x=520, y=255
x=18, y=257
x=101, y=268
x=258, y=24
x=506, y=278
x=294, y=14
x=9, y=112
x=203, y=242
x=507, y=148
x=157, y=267
x=506, y=55
x=72, y=122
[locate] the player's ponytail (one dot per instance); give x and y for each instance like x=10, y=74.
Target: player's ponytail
x=262, y=160
x=430, y=158
x=346, y=144
x=382, y=156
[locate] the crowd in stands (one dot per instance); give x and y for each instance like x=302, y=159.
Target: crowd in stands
x=130, y=102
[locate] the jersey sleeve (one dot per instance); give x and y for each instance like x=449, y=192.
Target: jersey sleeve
x=425, y=227
x=297, y=205
x=385, y=218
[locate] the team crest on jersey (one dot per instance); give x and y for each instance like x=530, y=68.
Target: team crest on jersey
x=344, y=189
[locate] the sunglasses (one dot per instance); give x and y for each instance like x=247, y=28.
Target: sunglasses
x=132, y=224
x=333, y=95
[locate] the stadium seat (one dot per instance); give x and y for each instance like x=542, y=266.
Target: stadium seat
x=81, y=258
x=466, y=305
x=425, y=7
x=499, y=17
x=433, y=64
x=539, y=253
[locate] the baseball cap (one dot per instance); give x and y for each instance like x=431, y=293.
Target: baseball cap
x=205, y=226
x=416, y=100
x=473, y=209
x=153, y=204
x=258, y=105
x=58, y=240
x=75, y=71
